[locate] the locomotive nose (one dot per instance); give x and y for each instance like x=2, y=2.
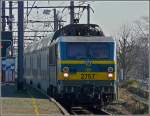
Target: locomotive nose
x=73, y=70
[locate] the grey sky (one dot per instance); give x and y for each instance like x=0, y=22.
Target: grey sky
x=112, y=14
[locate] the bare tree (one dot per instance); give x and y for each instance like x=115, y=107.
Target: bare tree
x=141, y=28
x=133, y=49
x=125, y=45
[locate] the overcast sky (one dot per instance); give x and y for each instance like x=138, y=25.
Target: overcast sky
x=110, y=15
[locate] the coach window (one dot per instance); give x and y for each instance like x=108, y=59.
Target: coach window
x=36, y=63
x=52, y=55
x=40, y=63
x=30, y=65
x=55, y=53
x=24, y=64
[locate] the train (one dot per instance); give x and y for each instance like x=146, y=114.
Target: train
x=76, y=63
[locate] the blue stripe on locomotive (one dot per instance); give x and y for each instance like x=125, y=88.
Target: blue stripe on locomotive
x=83, y=68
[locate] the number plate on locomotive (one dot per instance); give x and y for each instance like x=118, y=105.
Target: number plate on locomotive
x=87, y=76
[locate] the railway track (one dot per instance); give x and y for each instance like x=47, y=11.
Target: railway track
x=140, y=99
x=75, y=110
x=79, y=110
x=83, y=110
x=87, y=111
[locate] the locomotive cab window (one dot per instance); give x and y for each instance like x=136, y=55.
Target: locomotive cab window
x=99, y=51
x=77, y=50
x=90, y=50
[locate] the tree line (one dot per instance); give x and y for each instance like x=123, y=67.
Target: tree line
x=133, y=50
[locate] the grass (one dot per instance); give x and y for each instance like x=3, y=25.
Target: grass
x=130, y=83
x=134, y=87
x=126, y=104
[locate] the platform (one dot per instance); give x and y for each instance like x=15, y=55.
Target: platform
x=26, y=103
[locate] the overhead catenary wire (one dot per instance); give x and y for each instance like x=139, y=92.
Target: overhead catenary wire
x=39, y=15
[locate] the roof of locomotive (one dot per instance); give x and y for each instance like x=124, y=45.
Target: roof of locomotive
x=79, y=30
x=71, y=33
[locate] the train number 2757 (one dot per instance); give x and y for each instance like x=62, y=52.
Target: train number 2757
x=87, y=76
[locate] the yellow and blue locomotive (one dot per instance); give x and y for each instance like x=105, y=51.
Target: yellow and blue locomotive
x=77, y=63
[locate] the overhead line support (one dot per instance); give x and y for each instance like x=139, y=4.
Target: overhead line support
x=35, y=7
x=10, y=15
x=20, y=82
x=71, y=12
x=88, y=14
x=3, y=16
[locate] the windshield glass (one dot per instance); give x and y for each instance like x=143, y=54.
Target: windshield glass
x=90, y=50
x=99, y=50
x=77, y=50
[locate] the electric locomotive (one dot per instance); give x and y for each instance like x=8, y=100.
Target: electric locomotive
x=77, y=63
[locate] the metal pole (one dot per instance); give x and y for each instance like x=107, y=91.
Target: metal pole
x=10, y=15
x=55, y=21
x=124, y=60
x=88, y=14
x=3, y=16
x=71, y=12
x=3, y=29
x=27, y=10
x=0, y=43
x=10, y=23
x=20, y=44
x=59, y=24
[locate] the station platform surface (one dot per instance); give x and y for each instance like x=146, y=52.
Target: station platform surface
x=25, y=103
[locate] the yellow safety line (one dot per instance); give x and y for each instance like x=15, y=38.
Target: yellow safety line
x=36, y=109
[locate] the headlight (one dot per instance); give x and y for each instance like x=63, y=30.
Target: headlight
x=110, y=75
x=66, y=75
